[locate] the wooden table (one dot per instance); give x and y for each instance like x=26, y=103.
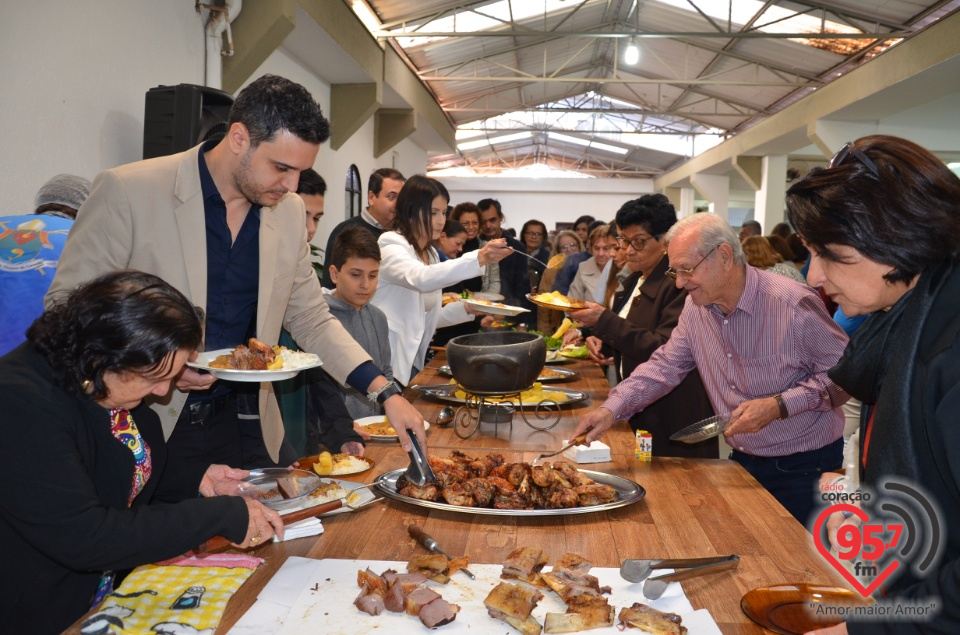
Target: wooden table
x=693, y=508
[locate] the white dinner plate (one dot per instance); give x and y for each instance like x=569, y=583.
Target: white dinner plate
x=366, y=496
x=496, y=308
x=366, y=421
x=203, y=362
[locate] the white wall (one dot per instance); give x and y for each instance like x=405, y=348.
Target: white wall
x=74, y=75
x=332, y=165
x=548, y=200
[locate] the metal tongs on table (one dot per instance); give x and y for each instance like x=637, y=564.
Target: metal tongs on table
x=419, y=473
x=685, y=568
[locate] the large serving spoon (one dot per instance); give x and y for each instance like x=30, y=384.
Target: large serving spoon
x=555, y=262
x=445, y=416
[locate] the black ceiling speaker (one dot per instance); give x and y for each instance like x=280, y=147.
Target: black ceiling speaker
x=176, y=118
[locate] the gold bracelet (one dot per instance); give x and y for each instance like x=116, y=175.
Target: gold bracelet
x=783, y=407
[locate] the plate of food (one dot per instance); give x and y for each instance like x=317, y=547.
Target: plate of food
x=589, y=491
x=330, y=490
x=556, y=300
x=553, y=357
x=278, y=488
x=380, y=429
x=498, y=325
x=531, y=398
x=255, y=362
x=546, y=375
x=574, y=352
x=495, y=308
x=327, y=464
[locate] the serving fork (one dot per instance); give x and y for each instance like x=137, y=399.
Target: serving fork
x=575, y=441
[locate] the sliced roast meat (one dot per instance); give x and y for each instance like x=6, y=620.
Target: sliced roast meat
x=438, y=613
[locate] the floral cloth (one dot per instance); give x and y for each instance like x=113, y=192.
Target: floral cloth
x=125, y=430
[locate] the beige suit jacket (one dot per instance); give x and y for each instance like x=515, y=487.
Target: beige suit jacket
x=149, y=216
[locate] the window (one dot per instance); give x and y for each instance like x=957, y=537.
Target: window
x=354, y=192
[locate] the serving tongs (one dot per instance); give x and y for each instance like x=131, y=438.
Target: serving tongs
x=419, y=473
x=574, y=441
x=684, y=569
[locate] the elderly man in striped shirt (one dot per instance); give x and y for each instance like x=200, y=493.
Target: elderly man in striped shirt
x=763, y=344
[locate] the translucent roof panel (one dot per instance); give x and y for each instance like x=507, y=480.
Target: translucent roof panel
x=553, y=72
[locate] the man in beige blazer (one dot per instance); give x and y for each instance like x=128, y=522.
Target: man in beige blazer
x=152, y=215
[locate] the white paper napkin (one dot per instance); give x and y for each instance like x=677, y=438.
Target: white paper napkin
x=301, y=529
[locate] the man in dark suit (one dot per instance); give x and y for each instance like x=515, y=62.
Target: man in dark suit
x=514, y=276
x=382, y=190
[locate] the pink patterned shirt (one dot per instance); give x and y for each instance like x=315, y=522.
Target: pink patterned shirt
x=778, y=340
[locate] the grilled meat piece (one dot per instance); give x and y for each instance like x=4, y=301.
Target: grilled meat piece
x=418, y=598
x=371, y=580
x=576, y=622
x=369, y=601
x=515, y=600
x=458, y=494
x=481, y=490
x=438, y=613
x=524, y=563
x=427, y=493
x=573, y=562
x=563, y=498
x=569, y=584
x=595, y=494
x=649, y=619
x=396, y=598
x=409, y=581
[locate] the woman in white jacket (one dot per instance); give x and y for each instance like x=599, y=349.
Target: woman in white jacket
x=411, y=276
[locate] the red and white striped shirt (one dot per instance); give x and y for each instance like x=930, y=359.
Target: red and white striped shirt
x=778, y=340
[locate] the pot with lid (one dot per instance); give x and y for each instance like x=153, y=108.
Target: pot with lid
x=496, y=363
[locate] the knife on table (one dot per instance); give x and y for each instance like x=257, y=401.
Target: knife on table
x=427, y=541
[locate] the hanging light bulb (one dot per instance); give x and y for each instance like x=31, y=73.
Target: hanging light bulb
x=632, y=55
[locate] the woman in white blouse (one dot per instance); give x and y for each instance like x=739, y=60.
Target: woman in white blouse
x=411, y=278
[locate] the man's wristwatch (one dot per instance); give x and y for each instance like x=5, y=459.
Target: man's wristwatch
x=385, y=391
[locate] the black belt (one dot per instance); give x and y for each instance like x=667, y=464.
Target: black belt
x=201, y=411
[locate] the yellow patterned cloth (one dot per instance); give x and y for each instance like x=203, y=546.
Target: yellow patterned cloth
x=186, y=596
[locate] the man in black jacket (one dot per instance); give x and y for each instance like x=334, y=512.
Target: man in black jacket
x=382, y=190
x=514, y=277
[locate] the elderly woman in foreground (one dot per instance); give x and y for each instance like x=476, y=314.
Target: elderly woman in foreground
x=883, y=227
x=87, y=488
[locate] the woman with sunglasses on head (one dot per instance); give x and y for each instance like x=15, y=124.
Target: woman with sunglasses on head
x=882, y=223
x=412, y=277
